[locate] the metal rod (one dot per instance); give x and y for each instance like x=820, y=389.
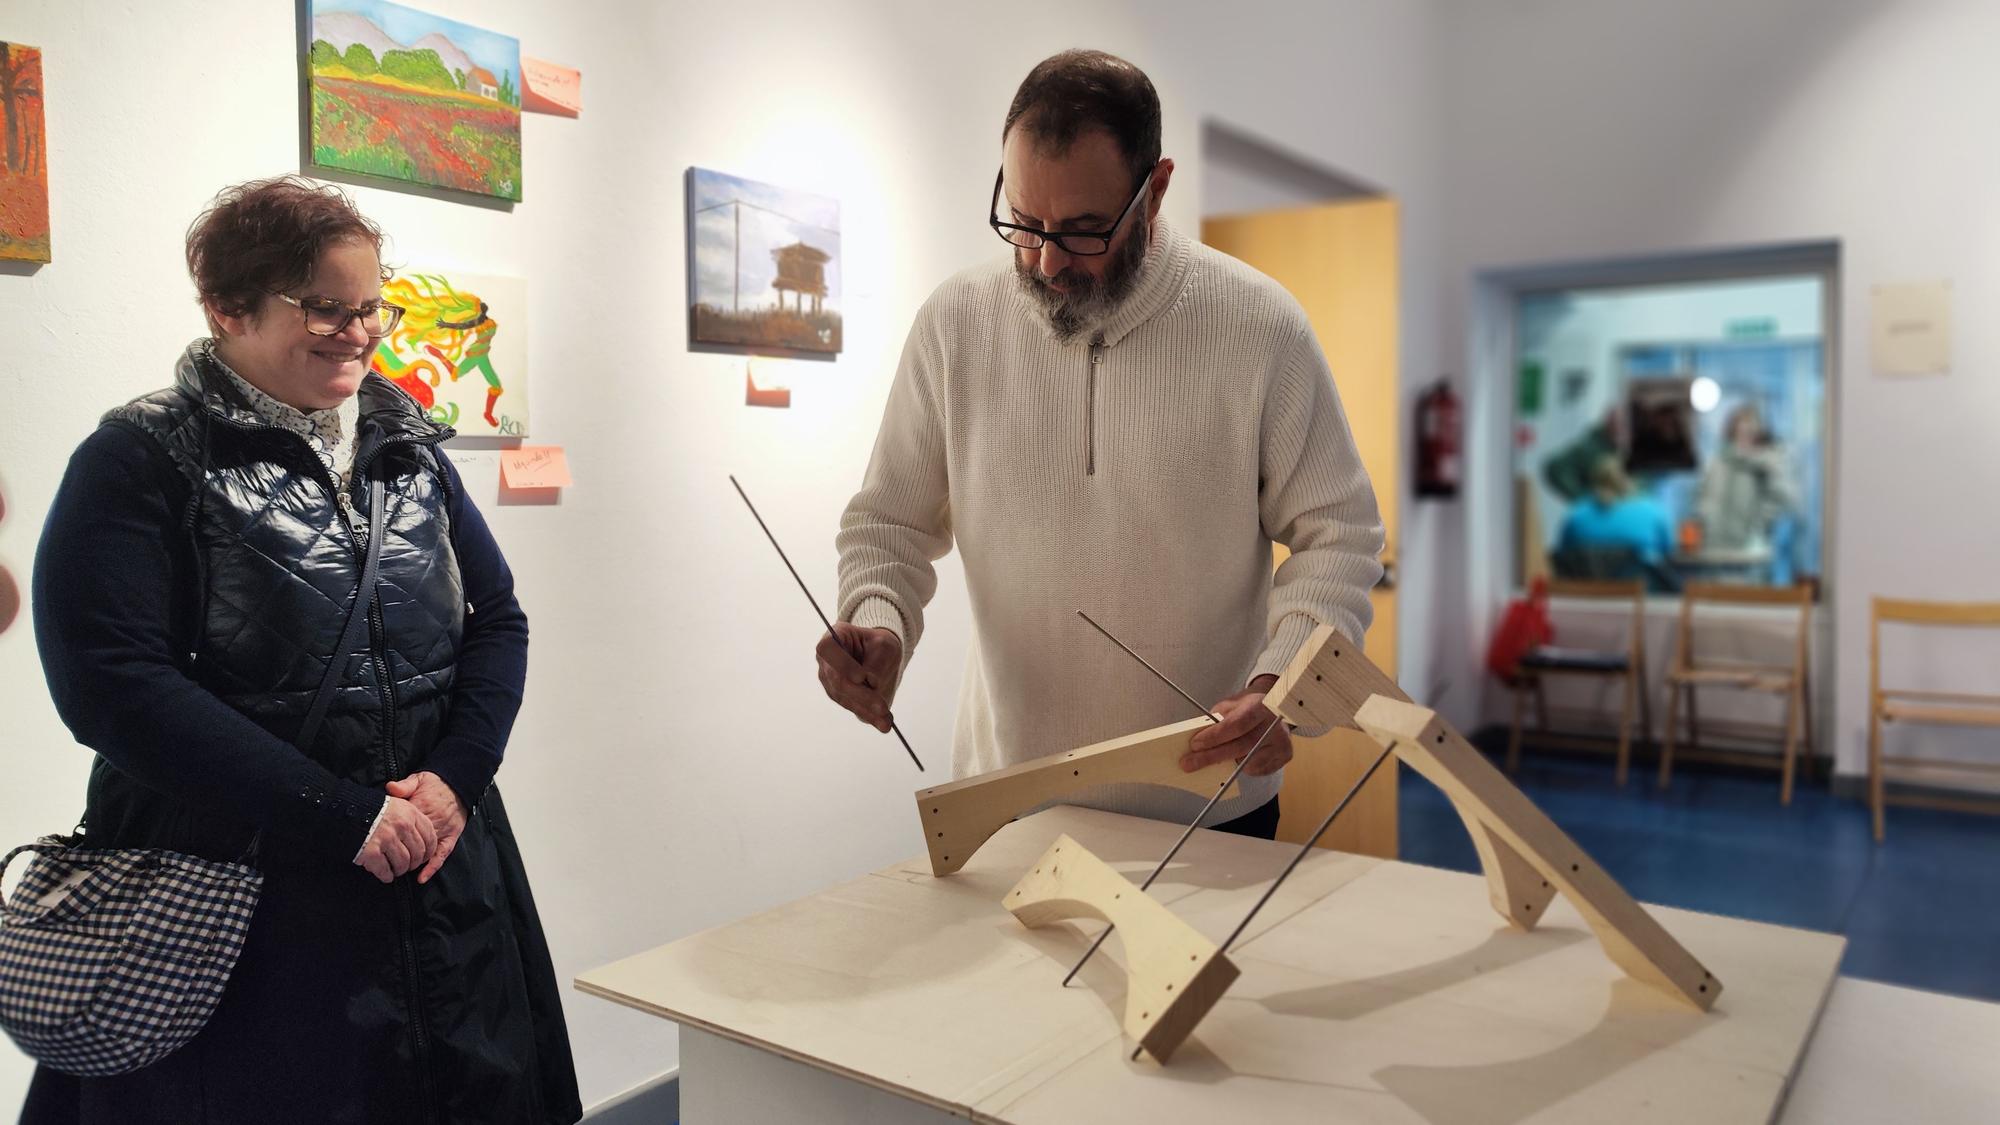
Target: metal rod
x=815, y=604
x=1205, y=712
x=1307, y=846
x=1175, y=850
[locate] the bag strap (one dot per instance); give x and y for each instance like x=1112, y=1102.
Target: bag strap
x=44, y=845
x=357, y=620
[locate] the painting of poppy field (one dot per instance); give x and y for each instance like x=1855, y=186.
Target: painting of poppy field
x=405, y=95
x=24, y=168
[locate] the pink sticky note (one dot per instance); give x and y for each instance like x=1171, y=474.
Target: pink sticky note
x=535, y=466
x=552, y=89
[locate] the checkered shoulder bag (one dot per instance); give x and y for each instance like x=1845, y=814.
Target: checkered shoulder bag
x=113, y=958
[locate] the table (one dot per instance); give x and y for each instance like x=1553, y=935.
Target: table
x=1372, y=991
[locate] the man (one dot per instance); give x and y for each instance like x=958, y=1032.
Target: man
x=1120, y=423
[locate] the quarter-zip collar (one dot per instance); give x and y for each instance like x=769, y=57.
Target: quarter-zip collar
x=1164, y=275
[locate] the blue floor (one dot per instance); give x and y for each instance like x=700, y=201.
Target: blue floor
x=1920, y=910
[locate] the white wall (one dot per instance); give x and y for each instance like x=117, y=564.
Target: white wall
x=674, y=766
x=1581, y=131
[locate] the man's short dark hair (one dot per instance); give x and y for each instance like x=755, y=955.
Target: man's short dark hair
x=1072, y=93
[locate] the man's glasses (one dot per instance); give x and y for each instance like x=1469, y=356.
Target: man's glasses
x=328, y=317
x=1081, y=243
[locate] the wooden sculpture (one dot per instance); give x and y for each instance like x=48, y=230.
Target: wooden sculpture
x=1526, y=858
x=1631, y=937
x=1174, y=975
x=1325, y=684
x=959, y=817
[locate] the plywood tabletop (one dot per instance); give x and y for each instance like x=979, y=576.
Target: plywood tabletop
x=1372, y=990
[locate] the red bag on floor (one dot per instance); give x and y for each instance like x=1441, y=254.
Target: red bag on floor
x=1524, y=626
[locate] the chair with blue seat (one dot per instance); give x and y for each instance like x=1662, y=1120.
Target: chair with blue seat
x=1627, y=663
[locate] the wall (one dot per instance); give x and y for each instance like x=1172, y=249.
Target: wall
x=1241, y=174
x=1579, y=131
x=674, y=766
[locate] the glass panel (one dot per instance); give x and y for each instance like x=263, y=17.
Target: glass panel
x=1625, y=406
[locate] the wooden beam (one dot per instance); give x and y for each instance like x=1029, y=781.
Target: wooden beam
x=1631, y=937
x=1173, y=974
x=1325, y=685
x=960, y=816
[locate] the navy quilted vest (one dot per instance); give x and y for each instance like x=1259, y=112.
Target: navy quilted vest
x=280, y=563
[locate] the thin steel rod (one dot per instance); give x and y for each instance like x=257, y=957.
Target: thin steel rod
x=1308, y=846
x=1175, y=850
x=1296, y=859
x=1205, y=712
x=815, y=603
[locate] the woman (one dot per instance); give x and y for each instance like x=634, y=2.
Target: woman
x=1616, y=532
x=1747, y=486
x=193, y=583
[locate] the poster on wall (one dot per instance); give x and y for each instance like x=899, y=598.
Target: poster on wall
x=404, y=95
x=763, y=267
x=24, y=168
x=1910, y=328
x=461, y=349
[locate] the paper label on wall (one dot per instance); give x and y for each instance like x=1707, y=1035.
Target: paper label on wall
x=461, y=349
x=1911, y=328
x=535, y=466
x=552, y=89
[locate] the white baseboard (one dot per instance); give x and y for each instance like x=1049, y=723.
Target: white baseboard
x=656, y=1101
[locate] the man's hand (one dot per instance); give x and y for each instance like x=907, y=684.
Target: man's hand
x=436, y=801
x=1244, y=718
x=402, y=840
x=866, y=685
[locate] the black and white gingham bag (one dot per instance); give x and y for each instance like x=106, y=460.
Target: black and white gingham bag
x=110, y=959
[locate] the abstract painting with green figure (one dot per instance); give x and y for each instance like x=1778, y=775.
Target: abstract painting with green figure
x=450, y=331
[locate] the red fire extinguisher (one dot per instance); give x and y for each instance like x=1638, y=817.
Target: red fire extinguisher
x=1439, y=460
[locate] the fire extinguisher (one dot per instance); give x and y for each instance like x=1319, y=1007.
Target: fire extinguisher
x=1439, y=462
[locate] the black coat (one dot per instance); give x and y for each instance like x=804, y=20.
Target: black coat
x=192, y=584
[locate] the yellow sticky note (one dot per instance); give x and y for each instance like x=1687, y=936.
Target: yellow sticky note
x=535, y=466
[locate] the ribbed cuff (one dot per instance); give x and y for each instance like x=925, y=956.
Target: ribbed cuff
x=372, y=825
x=332, y=816
x=1292, y=633
x=875, y=612
x=466, y=771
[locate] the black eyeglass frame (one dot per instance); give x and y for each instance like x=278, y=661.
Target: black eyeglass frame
x=1057, y=237
x=395, y=314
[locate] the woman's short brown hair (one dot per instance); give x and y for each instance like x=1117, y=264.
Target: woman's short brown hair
x=266, y=236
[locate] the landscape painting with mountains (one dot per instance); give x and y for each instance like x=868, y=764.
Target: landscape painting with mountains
x=407, y=95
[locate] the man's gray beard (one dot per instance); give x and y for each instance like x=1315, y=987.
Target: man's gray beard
x=1090, y=300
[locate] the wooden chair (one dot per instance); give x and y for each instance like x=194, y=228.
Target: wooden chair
x=1888, y=705
x=1627, y=663
x=1793, y=681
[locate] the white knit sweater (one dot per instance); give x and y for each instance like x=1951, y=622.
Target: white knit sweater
x=1141, y=479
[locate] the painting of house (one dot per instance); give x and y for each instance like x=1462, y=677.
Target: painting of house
x=404, y=95
x=763, y=267
x=24, y=168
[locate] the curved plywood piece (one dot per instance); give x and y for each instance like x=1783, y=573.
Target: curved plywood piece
x=1173, y=974
x=1633, y=939
x=1325, y=684
x=962, y=815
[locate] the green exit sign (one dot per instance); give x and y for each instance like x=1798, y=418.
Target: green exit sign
x=1752, y=328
